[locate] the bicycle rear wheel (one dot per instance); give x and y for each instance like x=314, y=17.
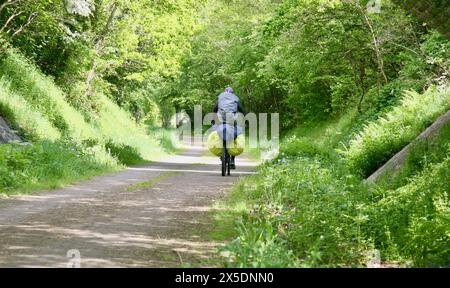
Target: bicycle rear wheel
x=224, y=159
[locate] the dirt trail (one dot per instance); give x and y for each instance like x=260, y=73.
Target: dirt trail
x=148, y=216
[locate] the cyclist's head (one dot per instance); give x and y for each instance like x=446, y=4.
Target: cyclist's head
x=229, y=90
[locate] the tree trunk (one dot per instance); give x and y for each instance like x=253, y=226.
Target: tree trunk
x=362, y=77
x=375, y=40
x=376, y=45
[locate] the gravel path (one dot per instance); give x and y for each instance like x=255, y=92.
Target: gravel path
x=154, y=215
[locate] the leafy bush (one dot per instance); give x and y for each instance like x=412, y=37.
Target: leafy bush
x=381, y=139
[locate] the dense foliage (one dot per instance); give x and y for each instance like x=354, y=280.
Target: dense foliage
x=311, y=59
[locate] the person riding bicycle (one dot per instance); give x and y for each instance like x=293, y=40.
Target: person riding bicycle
x=227, y=107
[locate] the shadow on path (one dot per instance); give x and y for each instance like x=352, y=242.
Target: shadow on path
x=147, y=216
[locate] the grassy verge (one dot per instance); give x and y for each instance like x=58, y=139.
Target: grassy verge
x=311, y=208
x=43, y=165
x=410, y=214
x=53, y=164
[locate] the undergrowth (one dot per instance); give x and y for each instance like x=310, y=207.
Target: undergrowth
x=311, y=207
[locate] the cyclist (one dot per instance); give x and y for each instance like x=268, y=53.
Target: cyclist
x=227, y=107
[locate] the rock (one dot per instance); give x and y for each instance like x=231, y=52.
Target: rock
x=6, y=134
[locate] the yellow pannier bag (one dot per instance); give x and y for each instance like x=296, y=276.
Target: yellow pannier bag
x=215, y=144
x=235, y=148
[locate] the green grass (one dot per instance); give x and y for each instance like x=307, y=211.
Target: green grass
x=150, y=183
x=380, y=140
x=31, y=124
x=29, y=89
x=422, y=155
x=296, y=207
x=125, y=154
x=227, y=211
x=167, y=139
x=119, y=128
x=45, y=97
x=412, y=222
x=45, y=164
x=417, y=201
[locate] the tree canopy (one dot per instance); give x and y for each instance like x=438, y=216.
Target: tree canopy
x=310, y=59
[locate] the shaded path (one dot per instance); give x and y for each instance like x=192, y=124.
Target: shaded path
x=146, y=216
